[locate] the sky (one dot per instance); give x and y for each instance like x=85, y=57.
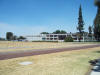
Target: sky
x=31, y=17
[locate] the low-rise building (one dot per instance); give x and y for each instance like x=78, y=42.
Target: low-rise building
x=60, y=37
x=55, y=37
x=33, y=38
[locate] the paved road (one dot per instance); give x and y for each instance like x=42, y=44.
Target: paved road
x=16, y=54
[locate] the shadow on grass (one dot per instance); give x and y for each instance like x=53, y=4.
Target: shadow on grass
x=97, y=51
x=97, y=69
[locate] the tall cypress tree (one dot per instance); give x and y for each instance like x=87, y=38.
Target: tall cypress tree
x=90, y=31
x=80, y=27
x=97, y=21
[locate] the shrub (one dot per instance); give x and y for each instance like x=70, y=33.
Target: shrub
x=68, y=39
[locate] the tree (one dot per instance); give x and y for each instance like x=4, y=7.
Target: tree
x=56, y=32
x=97, y=2
x=44, y=33
x=9, y=36
x=63, y=32
x=21, y=38
x=14, y=37
x=80, y=27
x=90, y=31
x=2, y=39
x=97, y=21
x=59, y=32
x=69, y=39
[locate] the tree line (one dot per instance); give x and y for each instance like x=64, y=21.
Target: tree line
x=10, y=36
x=56, y=32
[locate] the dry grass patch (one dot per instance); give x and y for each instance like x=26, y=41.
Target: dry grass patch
x=64, y=63
x=16, y=46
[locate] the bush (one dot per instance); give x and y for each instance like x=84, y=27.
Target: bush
x=2, y=39
x=68, y=39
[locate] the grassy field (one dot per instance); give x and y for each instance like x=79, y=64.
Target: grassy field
x=64, y=63
x=12, y=46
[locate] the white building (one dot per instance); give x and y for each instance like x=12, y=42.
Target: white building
x=56, y=37
x=51, y=37
x=33, y=38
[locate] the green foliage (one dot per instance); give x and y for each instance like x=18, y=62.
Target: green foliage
x=56, y=32
x=97, y=25
x=80, y=27
x=2, y=39
x=69, y=39
x=80, y=21
x=59, y=32
x=9, y=36
x=63, y=32
x=44, y=33
x=14, y=37
x=90, y=31
x=21, y=38
x=97, y=2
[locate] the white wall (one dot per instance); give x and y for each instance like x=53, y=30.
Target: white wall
x=34, y=38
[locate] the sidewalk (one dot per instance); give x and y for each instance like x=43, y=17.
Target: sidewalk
x=95, y=73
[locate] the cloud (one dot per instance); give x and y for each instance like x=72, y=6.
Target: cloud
x=20, y=30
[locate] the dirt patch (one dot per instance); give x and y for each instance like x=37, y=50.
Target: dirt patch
x=16, y=54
